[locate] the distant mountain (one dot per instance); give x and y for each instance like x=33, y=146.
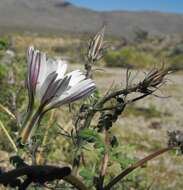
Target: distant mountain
x=61, y=16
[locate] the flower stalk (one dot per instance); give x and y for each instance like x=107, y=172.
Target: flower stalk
x=26, y=133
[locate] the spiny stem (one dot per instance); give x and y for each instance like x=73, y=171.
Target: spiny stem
x=8, y=136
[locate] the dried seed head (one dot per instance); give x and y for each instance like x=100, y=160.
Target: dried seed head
x=96, y=46
x=153, y=80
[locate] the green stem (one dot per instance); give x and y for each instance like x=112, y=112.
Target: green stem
x=25, y=135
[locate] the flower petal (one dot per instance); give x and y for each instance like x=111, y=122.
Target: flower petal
x=50, y=78
x=35, y=69
x=61, y=69
x=76, y=77
x=81, y=90
x=43, y=69
x=64, y=84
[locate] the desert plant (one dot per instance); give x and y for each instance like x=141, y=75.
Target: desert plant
x=49, y=88
x=140, y=34
x=129, y=57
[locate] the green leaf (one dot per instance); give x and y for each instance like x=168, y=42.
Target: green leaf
x=89, y=135
x=86, y=173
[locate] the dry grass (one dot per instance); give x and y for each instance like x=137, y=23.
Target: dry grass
x=45, y=43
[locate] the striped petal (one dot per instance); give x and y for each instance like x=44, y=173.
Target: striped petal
x=80, y=90
x=48, y=67
x=61, y=69
x=76, y=77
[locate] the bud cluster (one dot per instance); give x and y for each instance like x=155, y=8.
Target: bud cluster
x=107, y=118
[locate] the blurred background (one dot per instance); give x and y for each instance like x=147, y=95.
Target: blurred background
x=140, y=35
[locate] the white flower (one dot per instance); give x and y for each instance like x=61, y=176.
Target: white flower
x=47, y=81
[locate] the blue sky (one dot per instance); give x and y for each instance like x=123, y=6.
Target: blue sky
x=175, y=6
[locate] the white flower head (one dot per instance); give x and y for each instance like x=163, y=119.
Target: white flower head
x=47, y=80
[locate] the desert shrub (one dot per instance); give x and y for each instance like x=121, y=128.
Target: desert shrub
x=176, y=63
x=116, y=59
x=140, y=34
x=177, y=50
x=129, y=58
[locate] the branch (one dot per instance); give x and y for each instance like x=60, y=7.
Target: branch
x=139, y=97
x=135, y=166
x=125, y=91
x=40, y=174
x=37, y=174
